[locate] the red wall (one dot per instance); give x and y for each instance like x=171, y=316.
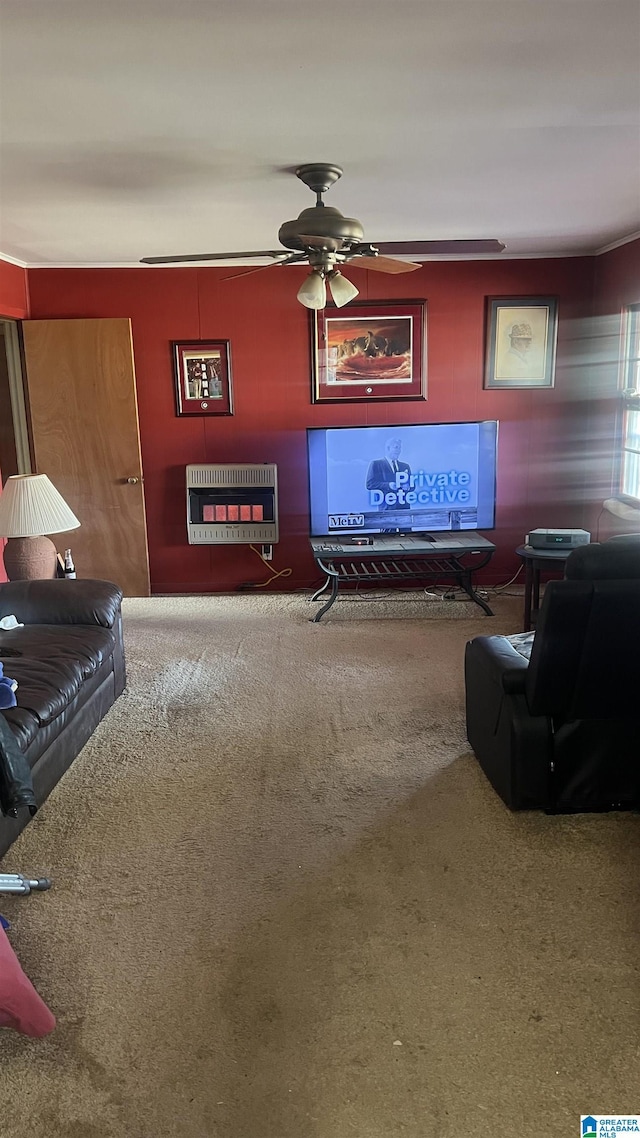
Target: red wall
x=541, y=466
x=14, y=297
x=617, y=278
x=14, y=304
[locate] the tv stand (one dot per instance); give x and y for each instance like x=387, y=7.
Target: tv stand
x=392, y=559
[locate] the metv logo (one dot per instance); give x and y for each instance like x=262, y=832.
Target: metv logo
x=589, y=1126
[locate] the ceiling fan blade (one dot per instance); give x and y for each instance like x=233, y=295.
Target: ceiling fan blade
x=383, y=264
x=433, y=248
x=211, y=257
x=261, y=268
x=248, y=272
x=331, y=244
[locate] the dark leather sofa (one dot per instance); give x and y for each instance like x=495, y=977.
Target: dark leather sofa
x=68, y=660
x=553, y=717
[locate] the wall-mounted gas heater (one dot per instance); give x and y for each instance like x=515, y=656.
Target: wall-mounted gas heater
x=232, y=503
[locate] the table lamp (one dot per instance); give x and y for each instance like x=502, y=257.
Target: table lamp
x=30, y=507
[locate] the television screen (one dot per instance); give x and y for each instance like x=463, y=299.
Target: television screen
x=421, y=478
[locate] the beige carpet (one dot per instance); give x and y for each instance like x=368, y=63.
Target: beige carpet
x=288, y=905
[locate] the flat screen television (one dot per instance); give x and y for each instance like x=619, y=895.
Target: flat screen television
x=408, y=479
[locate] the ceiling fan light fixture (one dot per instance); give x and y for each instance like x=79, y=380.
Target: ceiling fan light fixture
x=313, y=291
x=342, y=290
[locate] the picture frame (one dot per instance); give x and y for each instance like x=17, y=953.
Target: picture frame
x=527, y=359
x=202, y=372
x=370, y=352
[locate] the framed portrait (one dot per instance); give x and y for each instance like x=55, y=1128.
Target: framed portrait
x=521, y=333
x=203, y=377
x=371, y=351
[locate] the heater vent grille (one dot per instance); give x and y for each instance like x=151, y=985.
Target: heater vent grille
x=232, y=534
x=240, y=474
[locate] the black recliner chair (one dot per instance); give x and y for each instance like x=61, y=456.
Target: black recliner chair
x=553, y=717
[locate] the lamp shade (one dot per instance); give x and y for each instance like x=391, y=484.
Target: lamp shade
x=30, y=506
x=313, y=291
x=342, y=290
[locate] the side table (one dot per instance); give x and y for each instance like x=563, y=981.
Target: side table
x=534, y=559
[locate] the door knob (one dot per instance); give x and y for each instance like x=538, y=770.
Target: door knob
x=133, y=481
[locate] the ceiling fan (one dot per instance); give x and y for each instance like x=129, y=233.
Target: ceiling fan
x=323, y=237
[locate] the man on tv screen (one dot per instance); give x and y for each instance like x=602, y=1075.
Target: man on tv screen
x=382, y=474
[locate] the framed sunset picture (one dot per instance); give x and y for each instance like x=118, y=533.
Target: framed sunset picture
x=373, y=351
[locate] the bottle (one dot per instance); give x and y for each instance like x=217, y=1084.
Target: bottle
x=69, y=567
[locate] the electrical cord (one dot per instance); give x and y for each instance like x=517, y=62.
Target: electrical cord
x=274, y=576
x=451, y=593
x=496, y=589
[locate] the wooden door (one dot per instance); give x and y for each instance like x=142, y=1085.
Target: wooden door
x=81, y=396
x=8, y=450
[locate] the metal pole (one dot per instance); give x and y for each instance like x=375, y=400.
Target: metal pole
x=18, y=883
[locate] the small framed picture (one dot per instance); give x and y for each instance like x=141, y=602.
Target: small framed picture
x=369, y=352
x=203, y=377
x=521, y=333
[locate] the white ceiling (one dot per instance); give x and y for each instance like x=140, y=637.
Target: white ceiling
x=134, y=128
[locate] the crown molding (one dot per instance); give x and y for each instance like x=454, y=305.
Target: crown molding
x=616, y=244
x=110, y=265
x=14, y=261
x=540, y=255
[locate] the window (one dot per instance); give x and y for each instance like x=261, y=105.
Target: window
x=630, y=464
